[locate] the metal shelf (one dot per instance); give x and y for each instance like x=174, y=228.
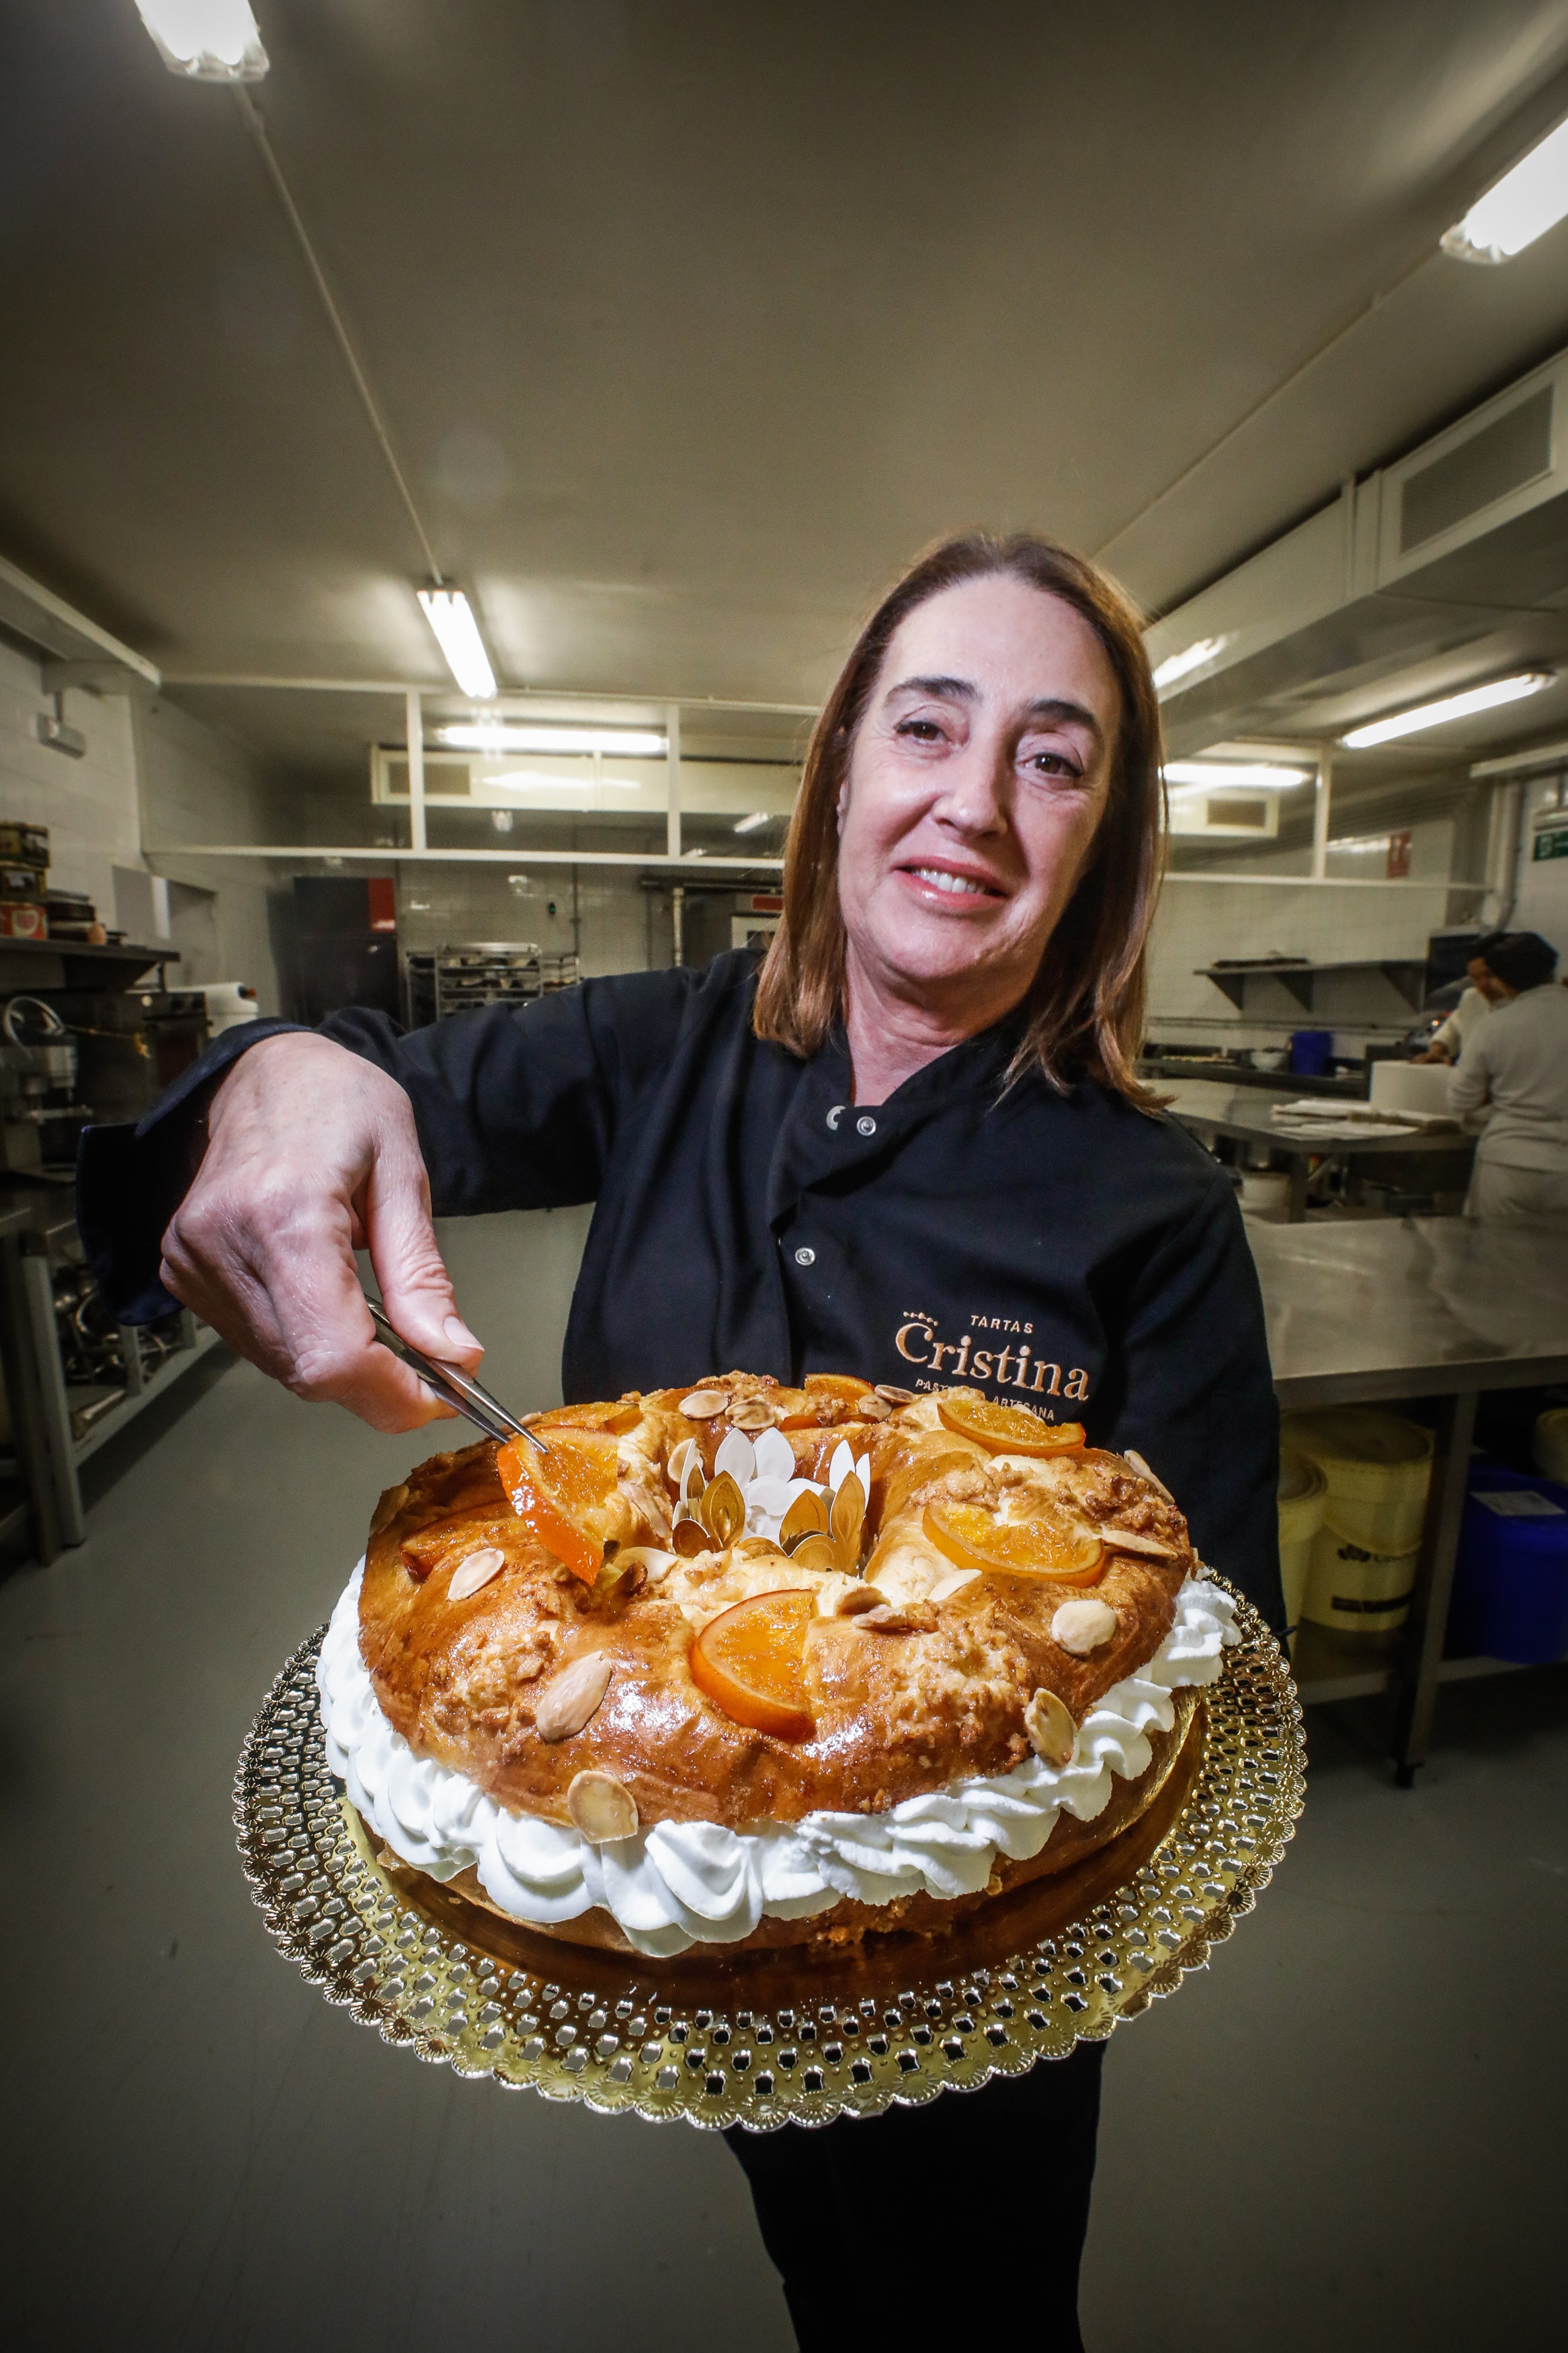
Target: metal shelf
x=178, y=1361
x=1406, y=974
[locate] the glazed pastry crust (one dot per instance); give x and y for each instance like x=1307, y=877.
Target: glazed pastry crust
x=900, y=1710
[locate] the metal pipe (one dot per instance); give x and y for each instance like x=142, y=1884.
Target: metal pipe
x=1321, y=804
x=414, y=708
x=677, y=917
x=672, y=803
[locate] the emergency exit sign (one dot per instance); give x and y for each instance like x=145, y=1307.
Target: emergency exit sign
x=1550, y=842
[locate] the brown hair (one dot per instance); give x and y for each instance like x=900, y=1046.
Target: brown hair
x=1084, y=1009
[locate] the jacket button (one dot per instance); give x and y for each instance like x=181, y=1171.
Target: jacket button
x=866, y=1126
x=804, y=1257
x=834, y=1115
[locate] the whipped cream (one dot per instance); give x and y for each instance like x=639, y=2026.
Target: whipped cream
x=675, y=1884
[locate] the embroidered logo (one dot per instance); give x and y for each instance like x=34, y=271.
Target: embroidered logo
x=1014, y=1365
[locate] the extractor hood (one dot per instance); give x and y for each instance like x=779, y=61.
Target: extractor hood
x=1441, y=570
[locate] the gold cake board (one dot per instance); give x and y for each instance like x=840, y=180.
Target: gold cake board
x=796, y=2036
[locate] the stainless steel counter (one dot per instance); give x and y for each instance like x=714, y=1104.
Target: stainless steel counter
x=1413, y=1307
x=1247, y=1115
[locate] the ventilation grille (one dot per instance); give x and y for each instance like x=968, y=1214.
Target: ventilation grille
x=1240, y=814
x=1502, y=458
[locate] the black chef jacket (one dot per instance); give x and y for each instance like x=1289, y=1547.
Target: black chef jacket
x=1064, y=1252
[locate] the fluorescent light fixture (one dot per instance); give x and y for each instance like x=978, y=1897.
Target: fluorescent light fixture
x=1176, y=667
x=755, y=822
x=506, y=735
x=448, y=612
x=1248, y=776
x=1525, y=203
x=206, y=40
x=1363, y=843
x=1452, y=706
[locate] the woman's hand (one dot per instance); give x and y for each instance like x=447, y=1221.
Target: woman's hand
x=312, y=1153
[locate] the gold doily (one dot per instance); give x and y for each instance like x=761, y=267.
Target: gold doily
x=782, y=2038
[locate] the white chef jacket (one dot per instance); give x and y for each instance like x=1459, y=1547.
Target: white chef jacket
x=1470, y=1010
x=1517, y=1061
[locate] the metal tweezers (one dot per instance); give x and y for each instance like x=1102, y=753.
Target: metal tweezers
x=452, y=1385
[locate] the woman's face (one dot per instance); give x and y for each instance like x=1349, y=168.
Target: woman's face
x=976, y=780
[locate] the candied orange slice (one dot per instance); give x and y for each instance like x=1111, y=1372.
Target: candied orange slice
x=751, y=1662
x=1008, y=1428
x=839, y=1393
x=623, y=1413
x=1046, y=1543
x=562, y=1497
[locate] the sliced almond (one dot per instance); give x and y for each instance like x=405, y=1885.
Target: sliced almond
x=387, y=1511
x=1052, y=1733
x=893, y=1395
x=474, y=1570
x=680, y=1461
x=875, y=1409
x=1082, y=1626
x=845, y=1597
x=952, y=1582
x=602, y=1808
x=654, y=1565
x=1133, y=1540
x=753, y=1414
x=897, y=1618
x=807, y=1515
x=703, y=1404
x=1144, y=1473
x=572, y=1697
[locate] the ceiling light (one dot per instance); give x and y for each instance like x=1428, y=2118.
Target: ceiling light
x=1452, y=706
x=754, y=823
x=1176, y=667
x=504, y=735
x=1251, y=775
x=457, y=635
x=206, y=40
x=1525, y=203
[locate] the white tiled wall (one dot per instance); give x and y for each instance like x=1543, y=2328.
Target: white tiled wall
x=195, y=785
x=616, y=929
x=1201, y=919
x=88, y=804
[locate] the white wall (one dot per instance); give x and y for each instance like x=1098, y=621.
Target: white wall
x=1542, y=903
x=1203, y=918
x=88, y=804
x=200, y=785
x=440, y=904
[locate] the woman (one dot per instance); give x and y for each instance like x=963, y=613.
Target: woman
x=912, y=1148
x=1516, y=1066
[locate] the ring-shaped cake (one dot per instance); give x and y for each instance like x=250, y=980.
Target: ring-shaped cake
x=747, y=1665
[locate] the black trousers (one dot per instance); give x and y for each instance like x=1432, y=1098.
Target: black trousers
x=995, y=2183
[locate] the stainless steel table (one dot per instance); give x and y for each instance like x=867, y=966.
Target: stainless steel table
x=1428, y=1307
x=1246, y=1114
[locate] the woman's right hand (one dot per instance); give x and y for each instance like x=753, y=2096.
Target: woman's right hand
x=312, y=1154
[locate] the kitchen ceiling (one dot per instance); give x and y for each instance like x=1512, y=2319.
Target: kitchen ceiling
x=692, y=322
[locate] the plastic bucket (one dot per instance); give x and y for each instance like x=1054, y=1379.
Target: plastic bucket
x=1357, y=1591
x=1510, y=1578
x=1266, y=1193
x=1310, y=1052
x=1378, y=1467
x=1302, y=1490
x=1548, y=1448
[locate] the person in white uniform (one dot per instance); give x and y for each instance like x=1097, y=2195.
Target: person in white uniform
x=1447, y=1043
x=1515, y=1064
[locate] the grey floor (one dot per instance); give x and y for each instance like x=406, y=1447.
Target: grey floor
x=1348, y=2132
